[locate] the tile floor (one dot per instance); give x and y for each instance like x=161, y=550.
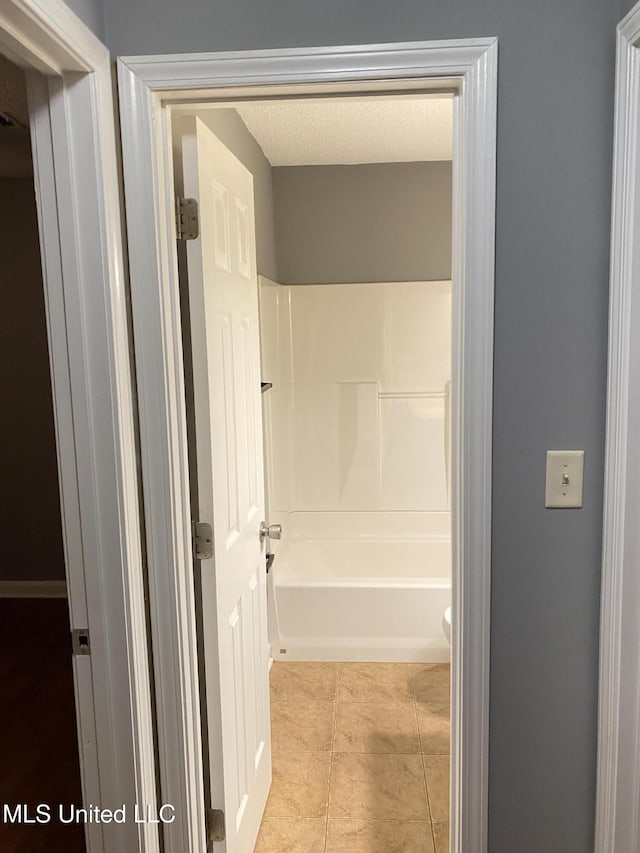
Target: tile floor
x=360, y=759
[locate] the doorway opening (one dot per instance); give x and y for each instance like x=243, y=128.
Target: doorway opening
x=40, y=759
x=71, y=128
x=151, y=90
x=347, y=266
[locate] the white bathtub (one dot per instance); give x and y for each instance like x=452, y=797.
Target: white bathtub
x=360, y=599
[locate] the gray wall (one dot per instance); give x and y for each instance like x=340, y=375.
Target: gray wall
x=30, y=524
x=91, y=12
x=553, y=208
x=375, y=222
x=232, y=132
x=626, y=6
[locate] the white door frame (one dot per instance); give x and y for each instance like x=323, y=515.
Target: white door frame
x=75, y=171
x=618, y=774
x=147, y=85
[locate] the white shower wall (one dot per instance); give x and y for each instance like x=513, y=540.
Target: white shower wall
x=356, y=419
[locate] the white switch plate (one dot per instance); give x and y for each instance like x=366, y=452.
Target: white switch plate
x=565, y=470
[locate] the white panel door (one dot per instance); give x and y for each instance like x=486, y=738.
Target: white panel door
x=223, y=307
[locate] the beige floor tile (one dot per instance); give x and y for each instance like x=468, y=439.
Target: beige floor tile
x=441, y=833
x=436, y=769
x=303, y=681
x=382, y=787
x=431, y=682
x=302, y=726
x=379, y=836
x=375, y=727
x=287, y=835
x=300, y=786
x=374, y=682
x=435, y=728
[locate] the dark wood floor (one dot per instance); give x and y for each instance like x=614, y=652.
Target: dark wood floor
x=38, y=742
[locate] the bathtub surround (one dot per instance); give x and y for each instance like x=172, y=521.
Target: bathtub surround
x=356, y=415
x=356, y=436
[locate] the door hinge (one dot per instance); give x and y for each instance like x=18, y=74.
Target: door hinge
x=81, y=641
x=202, y=540
x=187, y=226
x=215, y=825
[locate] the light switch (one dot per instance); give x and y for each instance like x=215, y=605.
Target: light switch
x=565, y=470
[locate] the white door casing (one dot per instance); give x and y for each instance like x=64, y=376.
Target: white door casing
x=225, y=349
x=148, y=85
x=618, y=771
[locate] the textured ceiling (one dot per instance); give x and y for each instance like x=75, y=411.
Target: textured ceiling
x=396, y=129
x=15, y=146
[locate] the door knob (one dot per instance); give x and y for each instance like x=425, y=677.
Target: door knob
x=270, y=531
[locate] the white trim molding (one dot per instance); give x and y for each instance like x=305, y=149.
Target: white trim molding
x=618, y=772
x=77, y=194
x=45, y=36
x=147, y=85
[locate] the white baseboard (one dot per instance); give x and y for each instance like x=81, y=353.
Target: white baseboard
x=33, y=589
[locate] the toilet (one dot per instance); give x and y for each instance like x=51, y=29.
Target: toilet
x=446, y=624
